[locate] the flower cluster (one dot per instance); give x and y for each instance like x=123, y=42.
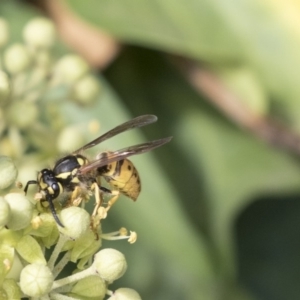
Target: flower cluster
x=35, y=81
x=34, y=250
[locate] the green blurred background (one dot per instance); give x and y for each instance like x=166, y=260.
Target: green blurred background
x=218, y=216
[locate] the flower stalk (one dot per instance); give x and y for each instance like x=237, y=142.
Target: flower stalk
x=57, y=249
x=73, y=278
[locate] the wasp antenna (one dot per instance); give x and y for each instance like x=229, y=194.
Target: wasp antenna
x=53, y=211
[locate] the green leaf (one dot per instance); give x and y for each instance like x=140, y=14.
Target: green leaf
x=7, y=254
x=12, y=289
x=257, y=35
x=30, y=250
x=86, y=245
x=215, y=168
x=182, y=26
x=92, y=287
x=237, y=168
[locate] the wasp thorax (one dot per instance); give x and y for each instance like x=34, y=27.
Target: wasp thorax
x=66, y=169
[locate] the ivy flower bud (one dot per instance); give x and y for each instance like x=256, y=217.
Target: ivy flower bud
x=4, y=212
x=70, y=68
x=16, y=116
x=110, y=264
x=76, y=221
x=21, y=211
x=69, y=139
x=36, y=280
x=40, y=33
x=44, y=60
x=4, y=32
x=4, y=87
x=8, y=172
x=125, y=294
x=16, y=58
x=86, y=90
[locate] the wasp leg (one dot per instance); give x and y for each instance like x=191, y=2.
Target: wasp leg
x=115, y=196
x=99, y=211
x=97, y=214
x=76, y=197
x=105, y=190
x=28, y=183
x=95, y=187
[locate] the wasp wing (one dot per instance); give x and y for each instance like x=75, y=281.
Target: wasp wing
x=122, y=154
x=134, y=123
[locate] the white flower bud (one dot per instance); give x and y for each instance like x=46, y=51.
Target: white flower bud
x=44, y=61
x=17, y=141
x=69, y=138
x=76, y=221
x=17, y=117
x=16, y=58
x=110, y=264
x=21, y=211
x=8, y=172
x=86, y=90
x=36, y=280
x=70, y=68
x=4, y=212
x=125, y=294
x=4, y=32
x=40, y=33
x=27, y=168
x=5, y=87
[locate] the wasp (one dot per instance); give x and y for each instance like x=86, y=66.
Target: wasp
x=76, y=170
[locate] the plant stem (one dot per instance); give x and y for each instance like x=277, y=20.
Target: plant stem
x=75, y=277
x=61, y=264
x=61, y=241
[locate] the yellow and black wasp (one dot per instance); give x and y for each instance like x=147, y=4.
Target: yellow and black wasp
x=75, y=170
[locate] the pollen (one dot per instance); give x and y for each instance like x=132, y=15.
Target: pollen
x=123, y=231
x=133, y=237
x=38, y=196
x=7, y=264
x=36, y=222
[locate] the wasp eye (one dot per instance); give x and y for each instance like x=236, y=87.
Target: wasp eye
x=55, y=187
